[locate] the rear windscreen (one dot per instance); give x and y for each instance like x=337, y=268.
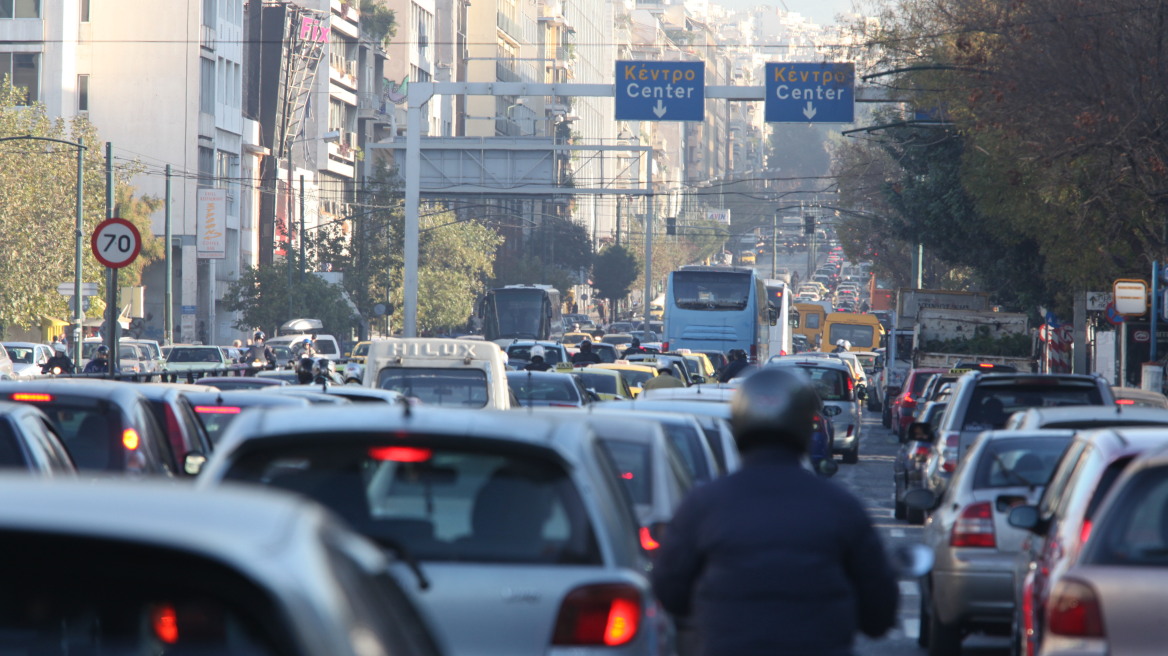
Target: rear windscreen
x=550, y=389
x=90, y=432
x=599, y=383
x=991, y=405
x=550, y=355
x=465, y=388
x=832, y=384
x=1021, y=462
x=860, y=336
x=438, y=503
x=688, y=445
x=631, y=460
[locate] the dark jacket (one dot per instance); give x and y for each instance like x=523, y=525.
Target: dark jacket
x=96, y=366
x=537, y=366
x=732, y=369
x=774, y=560
x=586, y=357
x=61, y=362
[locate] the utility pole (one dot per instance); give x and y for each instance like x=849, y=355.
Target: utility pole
x=168, y=293
x=774, y=245
x=648, y=237
x=303, y=261
x=111, y=280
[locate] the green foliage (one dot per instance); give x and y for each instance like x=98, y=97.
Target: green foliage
x=615, y=271
x=1014, y=345
x=38, y=210
x=264, y=300
x=459, y=256
x=530, y=270
x=378, y=21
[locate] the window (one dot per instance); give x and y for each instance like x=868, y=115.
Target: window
x=209, y=13
x=20, y=8
x=227, y=173
x=452, y=387
x=83, y=93
x=24, y=70
x=206, y=167
x=206, y=86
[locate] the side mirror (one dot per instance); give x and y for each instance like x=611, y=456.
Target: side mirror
x=193, y=463
x=828, y=467
x=1026, y=517
x=920, y=499
x=697, y=380
x=861, y=392
x=921, y=432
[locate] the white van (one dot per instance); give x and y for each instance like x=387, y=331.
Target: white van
x=462, y=373
x=326, y=345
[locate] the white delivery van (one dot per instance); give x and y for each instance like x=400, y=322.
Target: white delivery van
x=461, y=373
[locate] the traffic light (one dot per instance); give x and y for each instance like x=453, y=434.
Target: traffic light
x=808, y=224
x=671, y=225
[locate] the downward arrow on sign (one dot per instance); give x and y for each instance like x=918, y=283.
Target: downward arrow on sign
x=808, y=111
x=660, y=109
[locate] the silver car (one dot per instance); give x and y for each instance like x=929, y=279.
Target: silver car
x=971, y=586
x=841, y=403
x=134, y=567
x=515, y=527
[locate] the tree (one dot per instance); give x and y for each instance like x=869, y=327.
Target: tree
x=614, y=272
x=38, y=210
x=378, y=21
x=460, y=255
x=264, y=299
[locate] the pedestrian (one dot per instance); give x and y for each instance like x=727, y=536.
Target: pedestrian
x=586, y=355
x=772, y=559
x=100, y=362
x=537, y=362
x=59, y=363
x=634, y=348
x=663, y=379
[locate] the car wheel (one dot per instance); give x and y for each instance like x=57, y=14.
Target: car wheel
x=915, y=516
x=944, y=639
x=852, y=456
x=886, y=416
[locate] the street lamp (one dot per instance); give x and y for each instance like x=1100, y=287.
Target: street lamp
x=78, y=234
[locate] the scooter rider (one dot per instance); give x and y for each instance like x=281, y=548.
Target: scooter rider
x=259, y=354
x=774, y=560
x=59, y=363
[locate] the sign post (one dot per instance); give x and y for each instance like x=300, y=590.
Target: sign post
x=806, y=92
x=116, y=243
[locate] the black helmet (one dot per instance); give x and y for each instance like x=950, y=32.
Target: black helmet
x=775, y=406
x=103, y=350
x=259, y=334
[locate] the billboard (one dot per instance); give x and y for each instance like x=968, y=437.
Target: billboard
x=211, y=224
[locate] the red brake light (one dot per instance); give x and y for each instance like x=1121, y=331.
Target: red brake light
x=130, y=439
x=1074, y=610
x=606, y=614
x=648, y=542
x=754, y=352
x=985, y=365
x=1084, y=532
x=665, y=346
x=975, y=527
x=165, y=623
x=628, y=476
x=1125, y=402
x=949, y=454
x=32, y=396
x=217, y=409
x=400, y=453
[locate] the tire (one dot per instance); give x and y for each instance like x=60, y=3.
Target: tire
x=898, y=509
x=886, y=416
x=915, y=516
x=923, y=632
x=852, y=456
x=944, y=639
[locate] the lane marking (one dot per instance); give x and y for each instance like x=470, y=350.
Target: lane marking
x=910, y=588
x=896, y=532
x=912, y=627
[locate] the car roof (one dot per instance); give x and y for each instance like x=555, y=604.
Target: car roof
x=1113, y=412
x=109, y=390
x=245, y=398
x=1119, y=441
x=814, y=361
x=720, y=410
x=626, y=367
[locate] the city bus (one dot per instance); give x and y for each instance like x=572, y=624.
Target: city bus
x=786, y=317
x=521, y=312
x=716, y=308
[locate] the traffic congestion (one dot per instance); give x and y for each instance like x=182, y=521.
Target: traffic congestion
x=755, y=469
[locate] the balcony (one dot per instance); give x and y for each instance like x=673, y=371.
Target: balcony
x=505, y=73
x=509, y=25
x=207, y=37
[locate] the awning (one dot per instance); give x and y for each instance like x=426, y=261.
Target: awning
x=50, y=322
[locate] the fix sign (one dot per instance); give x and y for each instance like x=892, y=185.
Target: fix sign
x=821, y=92
x=660, y=91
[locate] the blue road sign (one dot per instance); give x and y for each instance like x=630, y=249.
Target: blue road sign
x=660, y=91
x=810, y=93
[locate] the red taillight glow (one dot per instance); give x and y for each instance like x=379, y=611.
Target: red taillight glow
x=949, y=454
x=130, y=439
x=665, y=347
x=1125, y=402
x=975, y=527
x=400, y=453
x=921, y=452
x=165, y=623
x=32, y=397
x=1028, y=614
x=606, y=614
x=985, y=365
x=628, y=476
x=648, y=543
x=1074, y=610
x=754, y=352
x=217, y=409
x=1084, y=532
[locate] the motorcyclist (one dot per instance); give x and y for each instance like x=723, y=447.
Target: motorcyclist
x=634, y=348
x=323, y=371
x=735, y=366
x=586, y=354
x=664, y=378
x=59, y=363
x=842, y=346
x=773, y=559
x=259, y=354
x=100, y=362
x=537, y=362
x=304, y=371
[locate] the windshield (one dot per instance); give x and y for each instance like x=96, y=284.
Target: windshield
x=634, y=377
x=711, y=290
x=832, y=384
x=861, y=336
x=515, y=313
x=187, y=354
x=465, y=388
x=361, y=350
x=632, y=461
x=551, y=355
x=1018, y=462
x=990, y=406
x=439, y=503
x=20, y=354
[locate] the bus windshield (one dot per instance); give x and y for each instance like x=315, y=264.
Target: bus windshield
x=515, y=313
x=705, y=290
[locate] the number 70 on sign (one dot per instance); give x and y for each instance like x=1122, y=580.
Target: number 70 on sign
x=116, y=243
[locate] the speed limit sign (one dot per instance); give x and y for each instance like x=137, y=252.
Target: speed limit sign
x=116, y=243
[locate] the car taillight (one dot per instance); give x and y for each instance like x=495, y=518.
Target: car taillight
x=665, y=347
x=648, y=542
x=32, y=396
x=908, y=402
x=606, y=614
x=754, y=352
x=400, y=454
x=1084, y=532
x=921, y=452
x=164, y=621
x=1125, y=402
x=975, y=527
x=949, y=453
x=130, y=439
x=1028, y=614
x=1074, y=610
x=218, y=409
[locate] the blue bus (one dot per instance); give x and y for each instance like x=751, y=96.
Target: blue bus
x=713, y=308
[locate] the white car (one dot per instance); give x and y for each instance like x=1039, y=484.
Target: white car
x=27, y=357
x=833, y=379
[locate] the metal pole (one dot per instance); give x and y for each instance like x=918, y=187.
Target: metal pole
x=289, y=256
x=303, y=260
x=618, y=219
x=111, y=284
x=413, y=192
x=79, y=233
x=774, y=245
x=168, y=294
x=1155, y=309
x=648, y=236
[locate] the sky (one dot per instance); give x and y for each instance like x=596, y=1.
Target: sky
x=819, y=11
